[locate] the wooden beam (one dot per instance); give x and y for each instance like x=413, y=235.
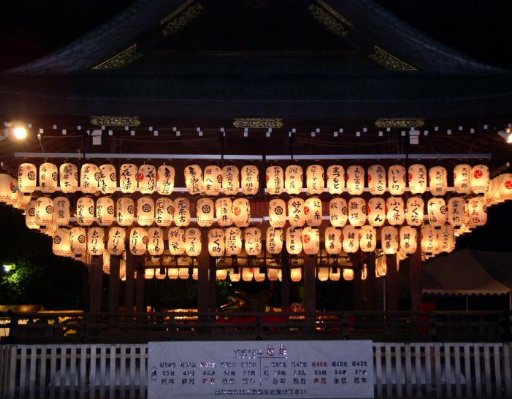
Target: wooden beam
x=95, y=283
x=203, y=270
x=113, y=284
x=358, y=284
x=130, y=282
x=392, y=283
x=415, y=278
x=370, y=284
x=285, y=280
x=310, y=288
x=139, y=287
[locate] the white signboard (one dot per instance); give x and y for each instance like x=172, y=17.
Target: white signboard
x=260, y=369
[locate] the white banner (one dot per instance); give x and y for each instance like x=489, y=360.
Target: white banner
x=260, y=369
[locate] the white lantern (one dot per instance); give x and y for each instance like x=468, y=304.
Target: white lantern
x=338, y=212
x=461, y=179
x=176, y=239
x=277, y=212
x=145, y=211
x=479, y=179
x=313, y=211
x=436, y=211
x=173, y=273
x=415, y=211
x=259, y=277
x=334, y=274
x=247, y=274
x=355, y=179
x=315, y=181
x=417, y=178
x=108, y=179
x=332, y=240
x=505, y=186
x=212, y=180
x=252, y=241
x=429, y=240
x=224, y=211
x=125, y=211
x=193, y=243
x=128, y=178
x=368, y=238
x=296, y=215
x=95, y=241
x=216, y=243
x=105, y=211
x=230, y=180
x=27, y=178
x=293, y=179
x=194, y=179
x=116, y=240
x=396, y=179
x=273, y=274
x=350, y=239
x=155, y=241
x=274, y=240
x=61, y=211
x=241, y=212
x=78, y=241
x=149, y=273
x=438, y=178
x=164, y=212
x=296, y=274
x=357, y=211
x=44, y=211
x=234, y=277
x=395, y=211
x=323, y=274
x=250, y=177
x=221, y=274
x=456, y=211
x=30, y=215
x=61, y=244
x=205, y=212
x=376, y=211
x=48, y=177
x=477, y=210
x=389, y=240
x=138, y=241
x=160, y=274
x=233, y=236
x=348, y=274
x=310, y=240
x=294, y=240
x=446, y=238
x=68, y=175
x=275, y=180
x=147, y=179
x=18, y=200
x=89, y=178
x=377, y=179
x=181, y=212
x=6, y=187
x=184, y=273
x=335, y=179
x=165, y=179
x=408, y=239
x=85, y=211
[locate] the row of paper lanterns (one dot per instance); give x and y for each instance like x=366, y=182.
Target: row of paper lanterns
x=230, y=180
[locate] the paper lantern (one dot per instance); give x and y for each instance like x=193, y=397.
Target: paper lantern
x=293, y=179
x=27, y=178
x=128, y=178
x=250, y=179
x=212, y=180
x=408, y=239
x=294, y=240
x=456, y=211
x=377, y=179
x=105, y=211
x=252, y=241
x=429, y=240
x=296, y=215
x=395, y=211
x=446, y=237
x=332, y=240
x=233, y=236
x=138, y=241
x=477, y=210
x=193, y=243
x=396, y=179
x=417, y=178
x=272, y=274
x=165, y=176
x=313, y=211
x=505, y=186
x=181, y=212
x=125, y=211
x=234, y=277
x=247, y=274
x=310, y=240
x=107, y=178
x=216, y=243
x=30, y=215
x=230, y=180
x=89, y=178
x=438, y=180
x=85, y=211
x=275, y=180
x=160, y=274
x=368, y=239
x=436, y=211
x=176, y=240
x=296, y=274
x=357, y=211
x=184, y=273
x=355, y=180
x=348, y=274
x=224, y=211
x=155, y=241
x=164, y=212
x=48, y=177
x=61, y=211
x=376, y=211
x=149, y=273
x=194, y=179
x=277, y=212
x=415, y=211
x=147, y=179
x=364, y=272
x=389, y=240
x=6, y=187
x=78, y=241
x=334, y=274
x=338, y=212
x=461, y=179
x=323, y=274
x=274, y=240
x=95, y=241
x=350, y=239
x=315, y=181
x=61, y=245
x=479, y=180
x=116, y=240
x=259, y=277
x=335, y=179
x=221, y=274
x=241, y=212
x=44, y=211
x=173, y=273
x=145, y=211
x=68, y=175
x=205, y=210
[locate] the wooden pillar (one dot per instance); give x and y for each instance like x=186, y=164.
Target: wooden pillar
x=212, y=286
x=286, y=282
x=415, y=278
x=370, y=284
x=310, y=288
x=130, y=282
x=95, y=283
x=203, y=270
x=113, y=284
x=358, y=285
x=392, y=283
x=139, y=287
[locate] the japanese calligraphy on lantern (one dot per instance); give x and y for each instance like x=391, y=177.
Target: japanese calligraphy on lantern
x=260, y=369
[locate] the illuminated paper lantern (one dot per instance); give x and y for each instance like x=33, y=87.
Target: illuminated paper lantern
x=212, y=180
x=128, y=178
x=461, y=178
x=313, y=211
x=30, y=215
x=252, y=241
x=230, y=180
x=338, y=212
x=315, y=180
x=334, y=274
x=145, y=211
x=48, y=177
x=221, y=274
x=368, y=239
x=155, y=241
x=274, y=240
x=224, y=211
x=173, y=273
x=149, y=273
x=335, y=179
x=436, y=211
x=323, y=274
x=193, y=243
x=233, y=236
x=395, y=210
x=89, y=178
x=78, y=241
x=95, y=241
x=296, y=215
x=438, y=180
x=147, y=179
x=389, y=240
x=277, y=212
x=294, y=240
x=480, y=179
x=61, y=211
x=376, y=211
x=85, y=211
x=417, y=175
x=250, y=179
x=107, y=178
x=272, y=274
x=125, y=211
x=446, y=237
x=160, y=274
x=105, y=211
x=6, y=187
x=216, y=243
x=357, y=211
x=505, y=187
x=429, y=240
x=293, y=179
x=275, y=180
x=396, y=179
x=350, y=239
x=181, y=212
x=241, y=212
x=165, y=176
x=408, y=239
x=205, y=210
x=44, y=211
x=234, y=277
x=348, y=274
x=193, y=179
x=164, y=212
x=456, y=211
x=296, y=274
x=415, y=211
x=355, y=179
x=377, y=179
x=138, y=241
x=27, y=178
x=247, y=274
x=258, y=276
x=477, y=210
x=68, y=176
x=332, y=240
x=310, y=240
x=116, y=240
x=61, y=244
x=176, y=240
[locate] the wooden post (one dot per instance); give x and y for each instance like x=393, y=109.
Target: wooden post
x=129, y=283
x=415, y=278
x=95, y=283
x=286, y=282
x=113, y=284
x=212, y=287
x=370, y=284
x=139, y=286
x=358, y=285
x=203, y=270
x=310, y=288
x=392, y=283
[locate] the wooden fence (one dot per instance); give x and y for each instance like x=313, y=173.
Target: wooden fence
x=406, y=370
